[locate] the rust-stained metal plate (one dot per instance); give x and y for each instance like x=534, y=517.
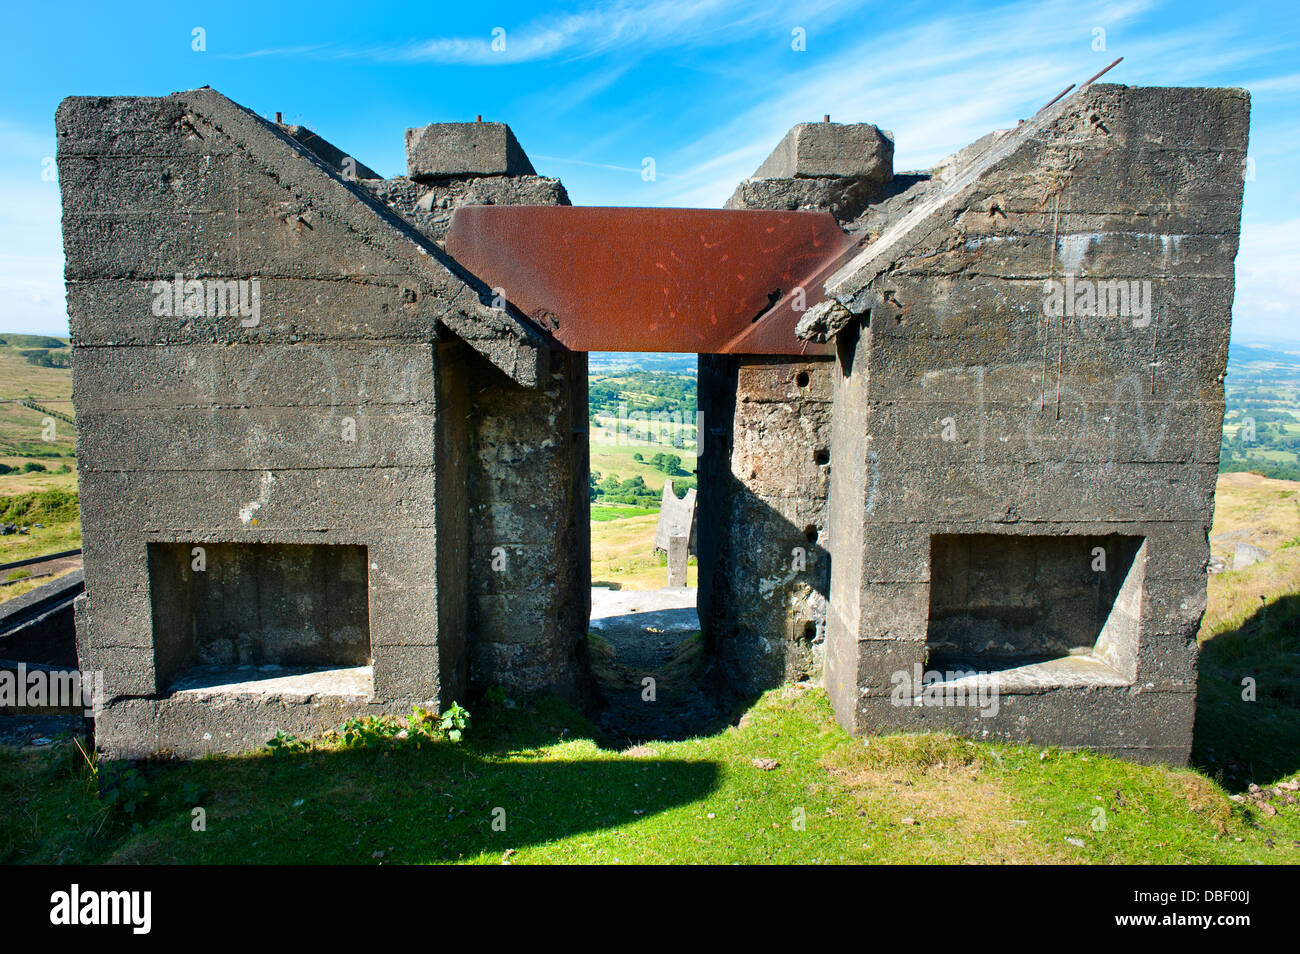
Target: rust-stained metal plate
x=620, y=279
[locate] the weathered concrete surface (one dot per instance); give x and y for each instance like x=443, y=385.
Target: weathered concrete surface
x=978, y=479
x=428, y=205
x=964, y=408
x=441, y=150
x=333, y=415
x=764, y=469
x=530, y=568
x=831, y=150
x=1245, y=555
x=678, y=557
x=676, y=517
x=524, y=478
x=216, y=189
x=349, y=167
x=765, y=462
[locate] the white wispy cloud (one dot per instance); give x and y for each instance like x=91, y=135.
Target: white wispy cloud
x=277, y=51
x=937, y=86
x=937, y=82
x=31, y=252
x=601, y=28
x=1267, y=300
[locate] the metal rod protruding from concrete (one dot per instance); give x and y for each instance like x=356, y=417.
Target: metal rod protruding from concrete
x=1096, y=76
x=1056, y=97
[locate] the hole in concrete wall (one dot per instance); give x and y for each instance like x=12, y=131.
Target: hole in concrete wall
x=1001, y=600
x=258, y=604
x=801, y=379
x=810, y=533
x=822, y=456
x=846, y=345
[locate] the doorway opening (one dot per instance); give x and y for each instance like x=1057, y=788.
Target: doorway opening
x=644, y=639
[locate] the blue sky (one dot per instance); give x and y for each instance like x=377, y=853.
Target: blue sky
x=704, y=88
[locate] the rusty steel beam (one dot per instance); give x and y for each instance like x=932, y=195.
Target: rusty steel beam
x=621, y=279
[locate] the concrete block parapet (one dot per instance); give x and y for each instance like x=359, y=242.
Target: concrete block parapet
x=463, y=150
x=831, y=150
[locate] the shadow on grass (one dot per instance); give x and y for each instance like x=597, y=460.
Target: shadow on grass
x=1239, y=741
x=402, y=804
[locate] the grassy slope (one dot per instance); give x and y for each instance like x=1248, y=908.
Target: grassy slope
x=1251, y=630
x=568, y=797
x=622, y=554
x=609, y=458
x=21, y=427
x=61, y=531
x=895, y=799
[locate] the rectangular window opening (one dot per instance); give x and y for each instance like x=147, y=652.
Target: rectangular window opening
x=1005, y=601
x=226, y=613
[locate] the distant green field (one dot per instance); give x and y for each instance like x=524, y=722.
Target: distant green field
x=601, y=513
x=610, y=458
x=35, y=445
x=1261, y=429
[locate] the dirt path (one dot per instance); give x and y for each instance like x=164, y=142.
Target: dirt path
x=648, y=658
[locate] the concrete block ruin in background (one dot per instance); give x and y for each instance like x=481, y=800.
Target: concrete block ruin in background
x=326, y=471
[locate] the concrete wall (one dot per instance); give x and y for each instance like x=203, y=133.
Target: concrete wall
x=334, y=419
x=959, y=449
x=999, y=600
x=982, y=415
x=525, y=474
x=258, y=604
x=763, y=478
x=766, y=461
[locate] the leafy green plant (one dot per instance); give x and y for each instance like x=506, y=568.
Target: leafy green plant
x=362, y=733
x=122, y=787
x=286, y=744
x=455, y=722
x=427, y=724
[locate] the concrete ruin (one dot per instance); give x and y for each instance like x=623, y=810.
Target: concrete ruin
x=325, y=471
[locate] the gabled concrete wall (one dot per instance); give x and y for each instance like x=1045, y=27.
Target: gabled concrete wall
x=968, y=410
x=335, y=414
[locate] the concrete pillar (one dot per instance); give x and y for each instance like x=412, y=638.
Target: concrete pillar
x=678, y=553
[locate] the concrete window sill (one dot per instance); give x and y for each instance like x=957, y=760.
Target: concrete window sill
x=291, y=684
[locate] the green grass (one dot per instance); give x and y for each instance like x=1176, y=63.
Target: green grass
x=23, y=431
x=567, y=797
x=609, y=458
x=56, y=509
x=601, y=513
x=22, y=341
